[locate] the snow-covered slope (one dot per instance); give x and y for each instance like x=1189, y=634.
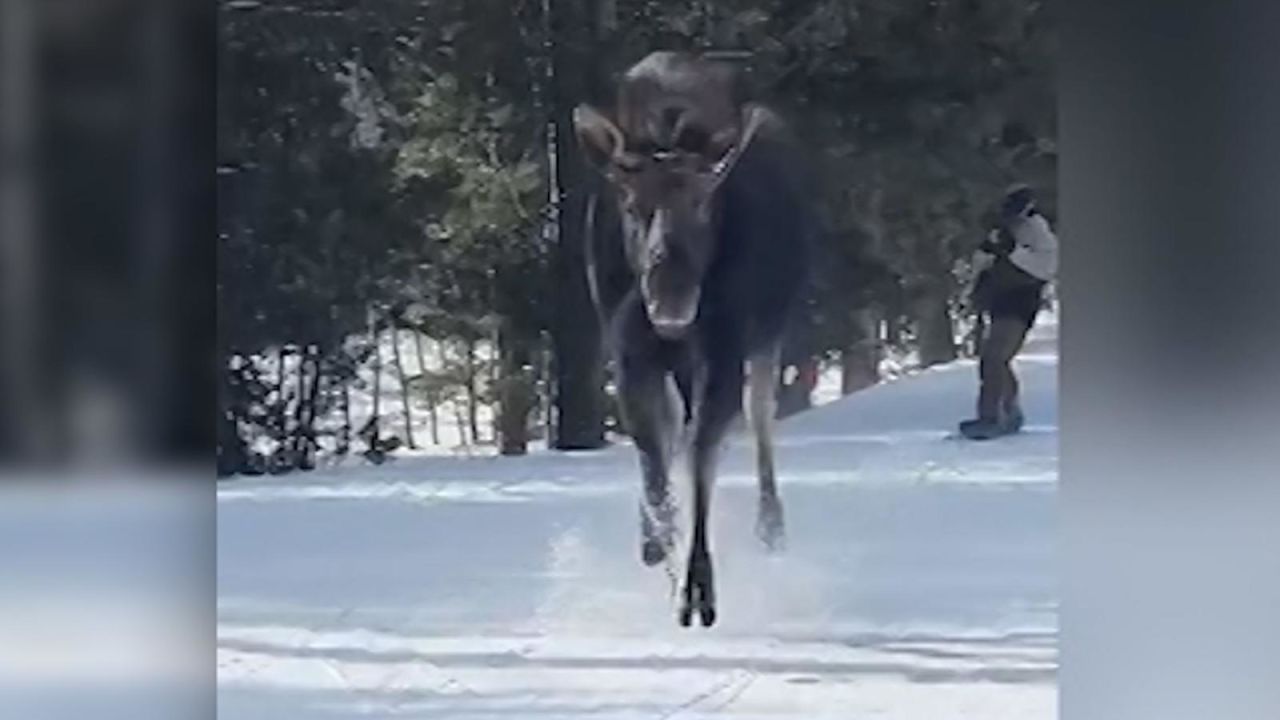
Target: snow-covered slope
x=918, y=582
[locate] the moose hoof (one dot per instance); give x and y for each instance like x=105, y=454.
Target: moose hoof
x=770, y=528
x=699, y=595
x=706, y=615
x=652, y=552
x=656, y=533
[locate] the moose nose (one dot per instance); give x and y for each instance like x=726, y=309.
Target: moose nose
x=672, y=320
x=670, y=329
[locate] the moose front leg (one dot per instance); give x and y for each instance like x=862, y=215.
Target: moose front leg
x=651, y=418
x=720, y=403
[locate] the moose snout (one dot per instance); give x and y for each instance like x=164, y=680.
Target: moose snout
x=671, y=310
x=670, y=329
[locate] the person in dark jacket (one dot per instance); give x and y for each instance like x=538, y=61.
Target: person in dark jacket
x=1019, y=259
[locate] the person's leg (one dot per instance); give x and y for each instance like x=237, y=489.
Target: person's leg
x=1010, y=408
x=1011, y=418
x=1025, y=306
x=1010, y=405
x=1004, y=337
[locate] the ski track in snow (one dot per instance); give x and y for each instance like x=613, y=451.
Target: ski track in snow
x=918, y=581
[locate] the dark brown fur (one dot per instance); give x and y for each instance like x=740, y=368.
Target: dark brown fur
x=696, y=257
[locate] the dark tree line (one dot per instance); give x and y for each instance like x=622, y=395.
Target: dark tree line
x=397, y=169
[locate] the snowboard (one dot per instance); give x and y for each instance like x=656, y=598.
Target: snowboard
x=974, y=431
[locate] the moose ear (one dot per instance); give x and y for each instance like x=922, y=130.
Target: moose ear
x=601, y=140
x=754, y=119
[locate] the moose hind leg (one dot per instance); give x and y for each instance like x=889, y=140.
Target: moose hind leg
x=720, y=404
x=762, y=408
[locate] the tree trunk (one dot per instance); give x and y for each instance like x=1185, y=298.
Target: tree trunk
x=860, y=359
x=404, y=389
x=422, y=357
x=375, y=417
x=546, y=382
x=934, y=330
x=495, y=380
x=281, y=431
x=232, y=451
x=607, y=15
x=300, y=408
x=433, y=417
x=428, y=392
x=309, y=444
x=893, y=330
x=473, y=392
x=461, y=423
x=495, y=355
x=515, y=393
x=578, y=377
x=859, y=368
x=344, y=444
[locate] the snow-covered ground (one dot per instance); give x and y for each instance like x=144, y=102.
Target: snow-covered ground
x=918, y=583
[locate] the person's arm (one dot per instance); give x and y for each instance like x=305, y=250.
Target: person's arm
x=984, y=257
x=985, y=254
x=997, y=243
x=1036, y=248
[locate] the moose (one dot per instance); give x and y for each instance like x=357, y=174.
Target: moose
x=696, y=256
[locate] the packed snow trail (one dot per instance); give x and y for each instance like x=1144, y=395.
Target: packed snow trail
x=918, y=581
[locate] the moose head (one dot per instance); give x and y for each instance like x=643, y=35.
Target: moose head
x=667, y=164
